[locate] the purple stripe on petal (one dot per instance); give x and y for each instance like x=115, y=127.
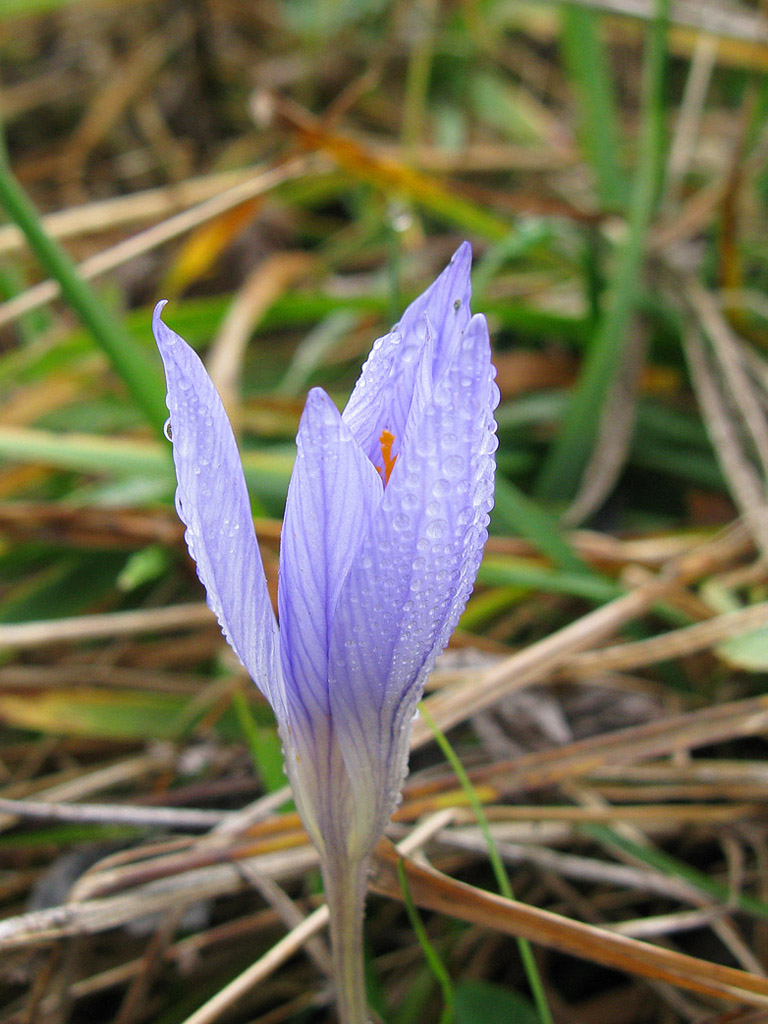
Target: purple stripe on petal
x=212, y=500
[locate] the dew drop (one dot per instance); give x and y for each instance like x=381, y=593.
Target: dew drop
x=401, y=521
x=454, y=465
x=442, y=488
x=167, y=429
x=437, y=528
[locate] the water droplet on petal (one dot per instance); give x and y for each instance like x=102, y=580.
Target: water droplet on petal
x=167, y=429
x=454, y=465
x=437, y=528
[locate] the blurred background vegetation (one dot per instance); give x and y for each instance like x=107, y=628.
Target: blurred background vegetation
x=289, y=173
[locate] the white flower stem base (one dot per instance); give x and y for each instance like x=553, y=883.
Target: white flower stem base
x=345, y=887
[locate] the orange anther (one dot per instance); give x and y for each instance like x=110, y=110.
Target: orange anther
x=386, y=441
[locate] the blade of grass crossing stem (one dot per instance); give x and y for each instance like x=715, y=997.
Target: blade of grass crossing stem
x=142, y=379
x=499, y=871
x=588, y=67
x=565, y=463
x=430, y=953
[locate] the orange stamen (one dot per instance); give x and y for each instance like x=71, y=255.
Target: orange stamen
x=386, y=441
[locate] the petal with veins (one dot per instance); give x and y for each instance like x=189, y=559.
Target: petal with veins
x=333, y=492
x=399, y=605
x=212, y=500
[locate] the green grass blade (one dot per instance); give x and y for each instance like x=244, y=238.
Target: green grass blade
x=143, y=380
x=670, y=865
x=25, y=8
x=588, y=66
x=499, y=871
x=263, y=743
x=499, y=571
x=430, y=953
x=514, y=512
x=565, y=463
x=266, y=472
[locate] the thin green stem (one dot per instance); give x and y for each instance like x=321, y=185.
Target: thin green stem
x=345, y=887
x=499, y=871
x=142, y=379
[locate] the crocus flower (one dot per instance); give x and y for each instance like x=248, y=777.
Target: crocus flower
x=385, y=522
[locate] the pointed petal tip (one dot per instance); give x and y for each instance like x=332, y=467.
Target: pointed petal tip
x=158, y=326
x=461, y=261
x=165, y=336
x=464, y=252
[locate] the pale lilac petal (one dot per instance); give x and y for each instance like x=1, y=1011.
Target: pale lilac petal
x=382, y=397
x=333, y=492
x=405, y=593
x=445, y=304
x=212, y=500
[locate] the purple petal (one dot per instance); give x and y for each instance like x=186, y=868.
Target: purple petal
x=212, y=500
x=333, y=492
x=405, y=593
x=382, y=396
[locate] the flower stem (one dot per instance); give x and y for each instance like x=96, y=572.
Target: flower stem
x=345, y=886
